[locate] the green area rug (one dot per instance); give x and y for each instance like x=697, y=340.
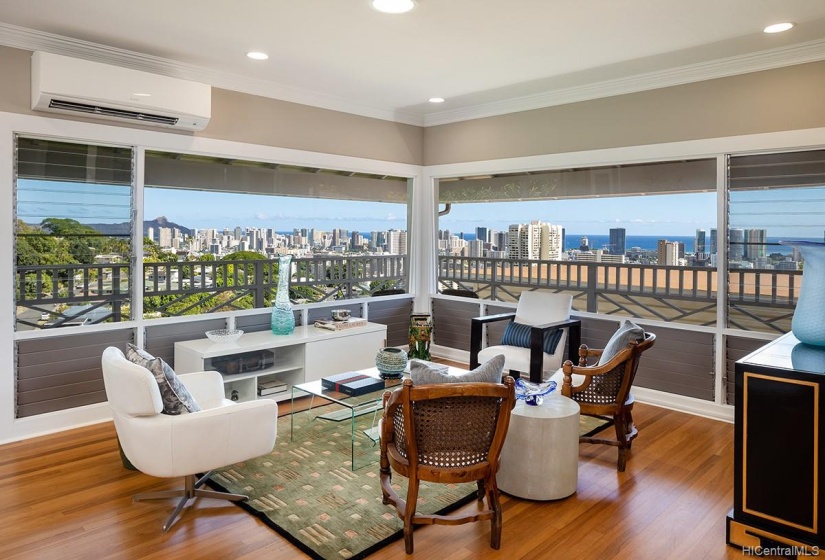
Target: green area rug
x=307, y=492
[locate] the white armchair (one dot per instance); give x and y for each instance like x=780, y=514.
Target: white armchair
x=161, y=445
x=544, y=312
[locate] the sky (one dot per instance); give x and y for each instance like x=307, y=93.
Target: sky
x=785, y=213
x=649, y=215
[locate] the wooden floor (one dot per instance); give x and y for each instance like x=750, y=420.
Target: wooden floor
x=67, y=496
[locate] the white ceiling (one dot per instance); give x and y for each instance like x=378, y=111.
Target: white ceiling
x=486, y=57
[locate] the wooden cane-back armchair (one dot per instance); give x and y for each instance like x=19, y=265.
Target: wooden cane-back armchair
x=445, y=433
x=605, y=391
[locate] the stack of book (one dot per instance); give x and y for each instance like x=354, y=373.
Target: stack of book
x=339, y=325
x=266, y=388
x=352, y=383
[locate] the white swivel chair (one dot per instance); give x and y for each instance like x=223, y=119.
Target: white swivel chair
x=543, y=312
x=222, y=433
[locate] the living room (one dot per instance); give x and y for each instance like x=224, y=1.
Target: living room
x=770, y=109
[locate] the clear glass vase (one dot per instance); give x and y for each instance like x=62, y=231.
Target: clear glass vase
x=283, y=319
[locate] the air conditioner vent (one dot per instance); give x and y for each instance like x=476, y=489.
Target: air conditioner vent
x=109, y=112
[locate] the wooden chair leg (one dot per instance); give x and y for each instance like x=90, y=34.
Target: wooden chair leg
x=480, y=492
x=495, y=506
x=622, y=430
x=409, y=513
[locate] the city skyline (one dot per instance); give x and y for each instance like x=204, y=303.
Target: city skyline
x=650, y=215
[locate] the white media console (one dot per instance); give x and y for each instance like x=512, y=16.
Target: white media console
x=309, y=353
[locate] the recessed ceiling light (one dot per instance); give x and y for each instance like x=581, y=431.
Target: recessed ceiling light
x=393, y=6
x=142, y=94
x=436, y=100
x=255, y=55
x=778, y=27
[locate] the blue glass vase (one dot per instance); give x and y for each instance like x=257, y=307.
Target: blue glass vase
x=283, y=319
x=808, y=324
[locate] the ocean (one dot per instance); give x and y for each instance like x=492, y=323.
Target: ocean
x=649, y=242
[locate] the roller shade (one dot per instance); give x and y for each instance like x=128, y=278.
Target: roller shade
x=166, y=170
x=786, y=170
x=626, y=180
x=83, y=182
x=51, y=160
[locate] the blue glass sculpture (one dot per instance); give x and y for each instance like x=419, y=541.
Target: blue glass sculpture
x=533, y=393
x=808, y=324
x=283, y=319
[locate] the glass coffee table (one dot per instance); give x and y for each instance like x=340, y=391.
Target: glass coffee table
x=351, y=408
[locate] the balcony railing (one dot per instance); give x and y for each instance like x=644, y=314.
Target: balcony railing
x=64, y=295
x=56, y=296
x=761, y=300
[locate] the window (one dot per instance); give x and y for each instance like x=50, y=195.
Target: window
x=636, y=240
x=213, y=228
x=73, y=222
x=772, y=198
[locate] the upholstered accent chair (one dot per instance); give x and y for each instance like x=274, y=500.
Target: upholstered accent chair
x=445, y=433
x=539, y=337
x=603, y=389
x=221, y=433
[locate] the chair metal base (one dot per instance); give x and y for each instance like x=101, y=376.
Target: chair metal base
x=191, y=490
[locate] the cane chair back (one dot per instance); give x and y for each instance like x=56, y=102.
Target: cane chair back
x=445, y=433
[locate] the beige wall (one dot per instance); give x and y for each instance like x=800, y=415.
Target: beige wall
x=258, y=120
x=788, y=98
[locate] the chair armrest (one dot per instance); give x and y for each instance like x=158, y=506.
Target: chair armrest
x=476, y=325
x=206, y=387
x=573, y=327
x=494, y=318
x=589, y=372
x=168, y=446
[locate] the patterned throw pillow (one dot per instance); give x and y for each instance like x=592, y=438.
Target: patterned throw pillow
x=176, y=399
x=517, y=334
x=626, y=333
x=488, y=372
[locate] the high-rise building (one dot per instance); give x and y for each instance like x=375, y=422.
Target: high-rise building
x=755, y=244
x=551, y=242
x=736, y=239
x=700, y=245
x=668, y=252
x=618, y=241
x=536, y=240
x=165, y=237
x=499, y=240
x=524, y=241
x=475, y=248
x=402, y=242
x=483, y=234
x=714, y=241
x=584, y=244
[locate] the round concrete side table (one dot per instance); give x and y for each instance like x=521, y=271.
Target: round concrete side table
x=540, y=457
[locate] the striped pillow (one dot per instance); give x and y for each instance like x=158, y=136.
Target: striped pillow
x=517, y=334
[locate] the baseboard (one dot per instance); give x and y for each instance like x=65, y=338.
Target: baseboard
x=681, y=403
x=690, y=405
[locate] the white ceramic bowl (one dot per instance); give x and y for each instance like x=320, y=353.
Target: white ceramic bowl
x=224, y=335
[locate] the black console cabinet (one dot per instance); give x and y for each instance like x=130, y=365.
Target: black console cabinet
x=778, y=460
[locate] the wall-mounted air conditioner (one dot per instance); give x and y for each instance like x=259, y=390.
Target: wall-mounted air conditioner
x=61, y=84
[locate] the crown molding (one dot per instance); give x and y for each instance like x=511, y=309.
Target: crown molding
x=29, y=39
x=812, y=51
